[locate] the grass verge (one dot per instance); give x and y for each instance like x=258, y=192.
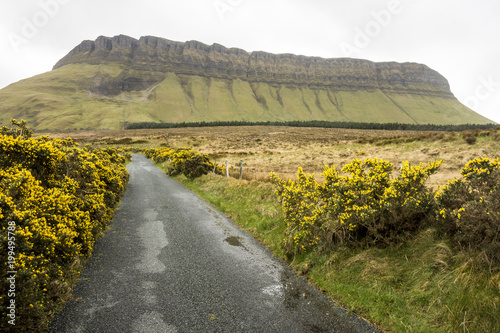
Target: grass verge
x=424, y=285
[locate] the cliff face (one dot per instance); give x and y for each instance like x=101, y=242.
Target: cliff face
x=148, y=60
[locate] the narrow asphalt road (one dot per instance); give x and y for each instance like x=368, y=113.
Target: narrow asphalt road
x=172, y=263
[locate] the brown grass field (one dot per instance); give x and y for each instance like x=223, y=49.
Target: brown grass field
x=283, y=149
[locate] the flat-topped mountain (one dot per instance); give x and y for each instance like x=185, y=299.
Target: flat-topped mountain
x=154, y=54
x=112, y=81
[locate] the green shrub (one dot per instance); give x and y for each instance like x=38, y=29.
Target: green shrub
x=367, y=207
x=300, y=205
x=182, y=160
x=470, y=139
x=197, y=166
x=469, y=208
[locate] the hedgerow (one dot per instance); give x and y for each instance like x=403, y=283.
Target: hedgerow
x=55, y=200
x=371, y=207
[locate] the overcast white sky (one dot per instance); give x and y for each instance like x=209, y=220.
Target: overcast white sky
x=458, y=38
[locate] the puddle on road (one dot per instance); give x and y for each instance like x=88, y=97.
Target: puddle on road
x=233, y=240
x=294, y=291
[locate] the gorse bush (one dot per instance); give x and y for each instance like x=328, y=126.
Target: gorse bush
x=372, y=207
x=468, y=209
x=21, y=130
x=182, y=161
x=368, y=206
x=197, y=166
x=55, y=200
x=301, y=207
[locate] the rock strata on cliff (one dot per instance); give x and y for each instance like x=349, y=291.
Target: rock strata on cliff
x=114, y=81
x=158, y=55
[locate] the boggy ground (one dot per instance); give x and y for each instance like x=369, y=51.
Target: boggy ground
x=283, y=149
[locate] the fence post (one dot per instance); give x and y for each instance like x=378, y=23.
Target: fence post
x=241, y=170
x=215, y=165
x=227, y=170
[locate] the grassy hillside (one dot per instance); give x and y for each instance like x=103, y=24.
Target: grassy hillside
x=62, y=99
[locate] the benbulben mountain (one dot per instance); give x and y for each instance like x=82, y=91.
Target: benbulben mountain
x=113, y=81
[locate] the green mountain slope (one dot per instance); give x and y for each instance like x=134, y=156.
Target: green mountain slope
x=119, y=80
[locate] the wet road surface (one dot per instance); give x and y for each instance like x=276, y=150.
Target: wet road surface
x=172, y=263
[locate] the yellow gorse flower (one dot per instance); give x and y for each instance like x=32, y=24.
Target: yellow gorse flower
x=364, y=202
x=60, y=197
x=182, y=160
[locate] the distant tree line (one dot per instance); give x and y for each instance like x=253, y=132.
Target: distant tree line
x=317, y=123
